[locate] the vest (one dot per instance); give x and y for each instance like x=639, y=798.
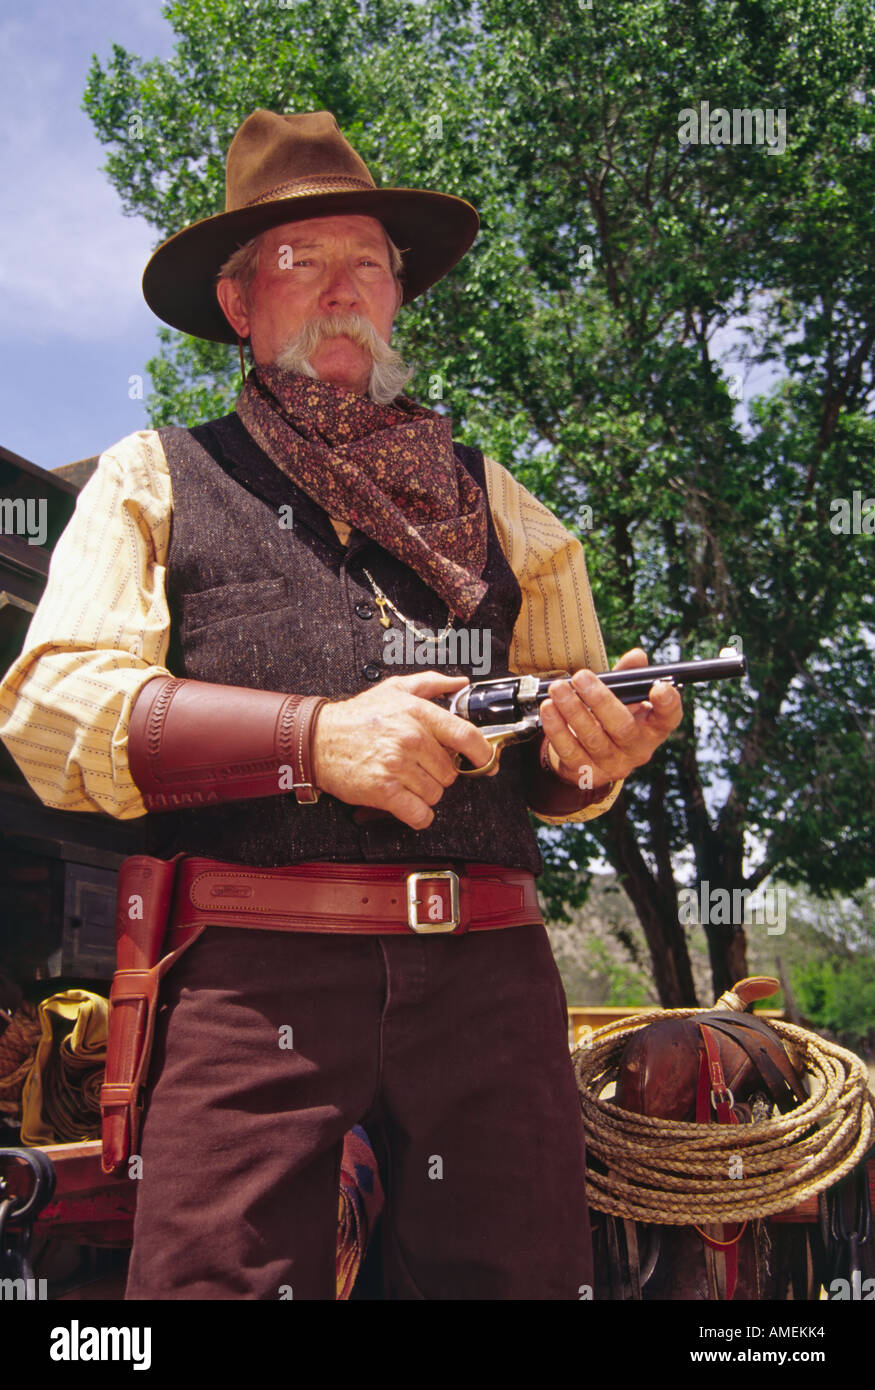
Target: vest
x=262, y=593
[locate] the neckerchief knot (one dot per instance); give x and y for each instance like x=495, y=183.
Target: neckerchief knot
x=388, y=470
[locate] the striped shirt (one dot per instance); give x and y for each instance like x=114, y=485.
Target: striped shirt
x=102, y=627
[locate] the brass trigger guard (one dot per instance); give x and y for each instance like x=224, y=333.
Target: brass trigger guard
x=498, y=741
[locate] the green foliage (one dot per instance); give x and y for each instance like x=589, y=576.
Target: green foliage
x=193, y=380
x=624, y=984
x=601, y=952
x=826, y=952
x=603, y=383
x=840, y=997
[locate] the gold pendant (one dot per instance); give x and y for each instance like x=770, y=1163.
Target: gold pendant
x=384, y=618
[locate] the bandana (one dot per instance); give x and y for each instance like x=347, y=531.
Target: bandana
x=388, y=470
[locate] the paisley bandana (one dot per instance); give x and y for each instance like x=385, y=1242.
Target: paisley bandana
x=388, y=470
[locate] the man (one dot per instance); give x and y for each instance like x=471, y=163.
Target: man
x=399, y=947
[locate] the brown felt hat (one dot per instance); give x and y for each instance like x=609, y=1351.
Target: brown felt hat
x=284, y=169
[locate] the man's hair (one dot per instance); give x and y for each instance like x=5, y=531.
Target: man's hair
x=242, y=264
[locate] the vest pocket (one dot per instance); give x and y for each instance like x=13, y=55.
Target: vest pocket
x=239, y=600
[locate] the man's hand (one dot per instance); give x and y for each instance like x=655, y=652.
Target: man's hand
x=586, y=726
x=391, y=748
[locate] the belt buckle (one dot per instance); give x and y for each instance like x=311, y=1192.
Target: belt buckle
x=413, y=881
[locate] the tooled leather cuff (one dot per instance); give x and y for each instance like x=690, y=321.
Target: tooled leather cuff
x=192, y=743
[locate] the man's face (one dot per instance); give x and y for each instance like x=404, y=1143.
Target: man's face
x=336, y=265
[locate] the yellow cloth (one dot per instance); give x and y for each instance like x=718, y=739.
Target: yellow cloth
x=61, y=1099
x=102, y=627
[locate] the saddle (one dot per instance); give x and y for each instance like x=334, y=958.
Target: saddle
x=729, y=1067
x=680, y=1068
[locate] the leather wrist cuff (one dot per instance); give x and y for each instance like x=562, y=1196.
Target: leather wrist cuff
x=549, y=794
x=192, y=743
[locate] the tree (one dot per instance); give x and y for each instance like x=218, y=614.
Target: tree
x=824, y=954
x=576, y=343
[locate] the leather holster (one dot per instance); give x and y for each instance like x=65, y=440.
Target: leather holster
x=143, y=906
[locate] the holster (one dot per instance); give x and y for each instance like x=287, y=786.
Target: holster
x=143, y=909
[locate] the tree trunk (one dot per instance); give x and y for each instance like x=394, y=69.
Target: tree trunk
x=727, y=952
x=657, y=909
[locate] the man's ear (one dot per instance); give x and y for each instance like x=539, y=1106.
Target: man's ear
x=233, y=306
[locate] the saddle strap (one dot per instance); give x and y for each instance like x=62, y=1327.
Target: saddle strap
x=618, y=1265
x=634, y=1259
x=712, y=1088
x=766, y=1052
x=721, y=1254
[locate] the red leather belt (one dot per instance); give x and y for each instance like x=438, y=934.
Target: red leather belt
x=352, y=899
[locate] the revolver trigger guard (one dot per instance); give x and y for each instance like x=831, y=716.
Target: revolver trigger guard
x=496, y=741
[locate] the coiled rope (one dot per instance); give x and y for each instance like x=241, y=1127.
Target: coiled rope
x=677, y=1173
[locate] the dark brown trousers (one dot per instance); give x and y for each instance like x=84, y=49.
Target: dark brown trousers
x=451, y=1051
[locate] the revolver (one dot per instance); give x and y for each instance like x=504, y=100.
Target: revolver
x=507, y=710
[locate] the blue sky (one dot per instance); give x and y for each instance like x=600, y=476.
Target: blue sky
x=75, y=326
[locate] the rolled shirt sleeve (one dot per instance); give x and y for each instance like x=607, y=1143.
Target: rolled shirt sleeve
x=100, y=632
x=557, y=628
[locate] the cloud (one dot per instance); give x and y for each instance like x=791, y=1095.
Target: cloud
x=70, y=260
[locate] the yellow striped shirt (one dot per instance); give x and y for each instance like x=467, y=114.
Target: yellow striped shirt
x=102, y=627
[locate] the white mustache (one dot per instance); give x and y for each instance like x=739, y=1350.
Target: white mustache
x=389, y=372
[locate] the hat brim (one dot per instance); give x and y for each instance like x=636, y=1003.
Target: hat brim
x=433, y=230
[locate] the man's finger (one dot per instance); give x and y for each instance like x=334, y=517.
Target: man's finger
x=423, y=784
x=406, y=806
x=555, y=726
x=636, y=656
x=589, y=727
x=603, y=720
x=666, y=709
x=457, y=734
x=429, y=684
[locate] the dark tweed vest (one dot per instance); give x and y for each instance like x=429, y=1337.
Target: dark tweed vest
x=255, y=601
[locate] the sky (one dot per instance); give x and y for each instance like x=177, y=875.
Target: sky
x=75, y=325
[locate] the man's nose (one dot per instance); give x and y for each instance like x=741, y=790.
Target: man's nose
x=340, y=290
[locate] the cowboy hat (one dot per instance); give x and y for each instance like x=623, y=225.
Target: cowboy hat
x=284, y=169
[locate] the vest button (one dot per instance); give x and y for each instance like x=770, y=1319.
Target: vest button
x=372, y=671
x=364, y=609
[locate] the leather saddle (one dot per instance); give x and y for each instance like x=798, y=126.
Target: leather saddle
x=729, y=1067
x=661, y=1067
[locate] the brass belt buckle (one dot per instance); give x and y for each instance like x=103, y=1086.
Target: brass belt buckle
x=423, y=928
